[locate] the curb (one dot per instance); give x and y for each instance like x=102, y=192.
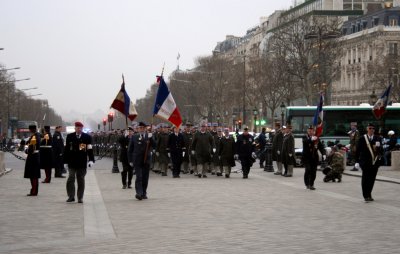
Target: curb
x=8, y=170
x=378, y=178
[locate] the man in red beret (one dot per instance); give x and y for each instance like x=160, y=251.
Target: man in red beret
x=78, y=148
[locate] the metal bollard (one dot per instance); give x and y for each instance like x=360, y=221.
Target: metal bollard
x=115, y=160
x=268, y=158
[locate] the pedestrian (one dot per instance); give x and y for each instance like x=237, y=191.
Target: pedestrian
x=288, y=155
x=32, y=163
x=162, y=150
x=277, y=142
x=177, y=151
x=58, y=152
x=202, y=147
x=245, y=151
x=139, y=156
x=262, y=142
x=390, y=145
x=192, y=159
x=216, y=159
x=311, y=145
x=127, y=170
x=369, y=157
x=226, y=152
x=354, y=136
x=46, y=153
x=78, y=149
x=187, y=139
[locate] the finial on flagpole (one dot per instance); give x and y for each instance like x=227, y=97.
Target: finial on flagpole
x=162, y=71
x=123, y=78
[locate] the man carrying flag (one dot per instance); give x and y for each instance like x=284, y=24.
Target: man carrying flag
x=380, y=106
x=123, y=103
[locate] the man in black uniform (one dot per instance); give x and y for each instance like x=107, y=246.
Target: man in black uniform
x=32, y=164
x=78, y=147
x=369, y=157
x=127, y=170
x=177, y=149
x=58, y=151
x=311, y=145
x=245, y=150
x=139, y=156
x=46, y=153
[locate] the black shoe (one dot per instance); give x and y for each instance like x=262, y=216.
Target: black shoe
x=31, y=195
x=70, y=200
x=199, y=175
x=288, y=175
x=176, y=177
x=144, y=197
x=123, y=186
x=245, y=177
x=368, y=199
x=80, y=201
x=269, y=170
x=308, y=187
x=277, y=173
x=59, y=176
x=129, y=187
x=353, y=169
x=191, y=172
x=138, y=197
x=226, y=176
x=312, y=188
x=204, y=176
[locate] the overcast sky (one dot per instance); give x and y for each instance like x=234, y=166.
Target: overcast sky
x=76, y=50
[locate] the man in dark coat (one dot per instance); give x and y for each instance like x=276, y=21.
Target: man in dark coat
x=245, y=150
x=162, y=150
x=227, y=152
x=78, y=148
x=311, y=145
x=177, y=150
x=127, y=170
x=369, y=157
x=46, y=153
x=58, y=151
x=187, y=138
x=202, y=146
x=139, y=156
x=216, y=159
x=277, y=142
x=288, y=156
x=32, y=164
x=262, y=141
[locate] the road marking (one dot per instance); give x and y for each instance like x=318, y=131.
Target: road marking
x=97, y=223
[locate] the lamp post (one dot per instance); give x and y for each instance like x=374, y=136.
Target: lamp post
x=255, y=113
x=110, y=120
x=283, y=106
x=234, y=121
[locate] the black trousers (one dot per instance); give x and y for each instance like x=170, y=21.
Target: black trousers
x=176, y=159
x=142, y=179
x=58, y=165
x=310, y=174
x=126, y=174
x=246, y=165
x=368, y=179
x=79, y=174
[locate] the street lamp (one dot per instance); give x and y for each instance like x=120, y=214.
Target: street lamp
x=255, y=113
x=283, y=106
x=110, y=120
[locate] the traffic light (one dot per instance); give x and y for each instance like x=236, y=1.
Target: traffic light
x=104, y=121
x=110, y=117
x=263, y=122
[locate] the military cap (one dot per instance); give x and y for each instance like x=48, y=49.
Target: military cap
x=47, y=128
x=353, y=123
x=310, y=127
x=78, y=124
x=246, y=129
x=130, y=128
x=32, y=127
x=371, y=125
x=142, y=124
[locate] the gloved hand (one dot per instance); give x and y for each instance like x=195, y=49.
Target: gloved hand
x=278, y=152
x=169, y=155
x=378, y=144
x=193, y=152
x=90, y=164
x=313, y=138
x=236, y=157
x=66, y=166
x=149, y=134
x=157, y=154
x=131, y=164
x=357, y=165
x=183, y=154
x=324, y=157
x=254, y=155
x=214, y=150
x=290, y=155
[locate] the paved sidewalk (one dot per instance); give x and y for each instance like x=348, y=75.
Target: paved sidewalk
x=263, y=214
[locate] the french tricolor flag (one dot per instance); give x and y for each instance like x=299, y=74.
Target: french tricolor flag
x=123, y=103
x=165, y=106
x=319, y=117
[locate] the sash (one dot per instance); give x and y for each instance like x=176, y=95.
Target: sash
x=374, y=159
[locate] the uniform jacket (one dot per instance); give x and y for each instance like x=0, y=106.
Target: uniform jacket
x=176, y=145
x=310, y=150
x=277, y=142
x=77, y=150
x=363, y=154
x=124, y=144
x=217, y=141
x=203, y=143
x=32, y=164
x=162, y=148
x=288, y=153
x=58, y=143
x=46, y=151
x=137, y=150
x=227, y=151
x=244, y=146
x=188, y=139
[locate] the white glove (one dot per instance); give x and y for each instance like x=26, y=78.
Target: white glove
x=157, y=154
x=357, y=165
x=214, y=150
x=183, y=154
x=290, y=155
x=278, y=152
x=236, y=157
x=169, y=155
x=131, y=164
x=324, y=157
x=149, y=134
x=313, y=138
x=254, y=155
x=377, y=144
x=193, y=152
x=90, y=164
x=66, y=166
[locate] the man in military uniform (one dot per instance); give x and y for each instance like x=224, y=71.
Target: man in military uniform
x=277, y=148
x=262, y=142
x=32, y=163
x=311, y=145
x=177, y=150
x=127, y=170
x=226, y=152
x=139, y=156
x=155, y=165
x=202, y=146
x=245, y=151
x=288, y=156
x=369, y=157
x=354, y=136
x=58, y=151
x=162, y=150
x=187, y=139
x=216, y=159
x=193, y=160
x=78, y=148
x=46, y=153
